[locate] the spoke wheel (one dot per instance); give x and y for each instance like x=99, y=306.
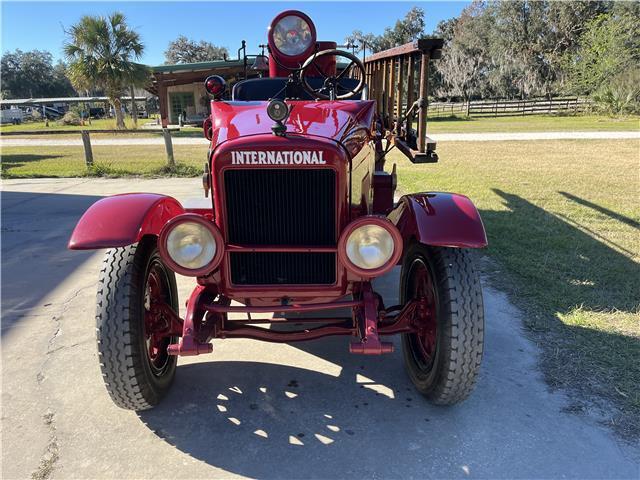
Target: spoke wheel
x=421, y=287
x=155, y=325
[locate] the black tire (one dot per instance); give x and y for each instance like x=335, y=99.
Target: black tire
x=132, y=381
x=448, y=376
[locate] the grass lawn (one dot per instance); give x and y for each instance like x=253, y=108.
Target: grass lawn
x=563, y=221
x=146, y=160
x=96, y=124
x=532, y=123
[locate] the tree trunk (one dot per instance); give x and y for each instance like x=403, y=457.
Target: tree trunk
x=134, y=107
x=117, y=107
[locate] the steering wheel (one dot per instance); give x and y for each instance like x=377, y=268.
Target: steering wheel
x=332, y=82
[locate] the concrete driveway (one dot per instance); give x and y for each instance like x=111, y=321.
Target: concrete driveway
x=255, y=409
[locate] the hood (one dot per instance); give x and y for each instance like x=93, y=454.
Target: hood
x=334, y=120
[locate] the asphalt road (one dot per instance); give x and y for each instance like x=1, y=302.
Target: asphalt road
x=40, y=141
x=255, y=409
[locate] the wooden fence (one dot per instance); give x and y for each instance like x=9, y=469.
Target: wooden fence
x=86, y=140
x=503, y=108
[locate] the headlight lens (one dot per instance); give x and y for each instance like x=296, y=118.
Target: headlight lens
x=369, y=247
x=277, y=110
x=292, y=35
x=191, y=245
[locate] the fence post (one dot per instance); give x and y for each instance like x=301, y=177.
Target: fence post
x=88, y=153
x=169, y=147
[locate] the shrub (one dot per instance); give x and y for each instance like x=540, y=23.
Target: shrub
x=621, y=95
x=70, y=118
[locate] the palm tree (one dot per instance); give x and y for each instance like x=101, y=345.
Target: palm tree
x=101, y=53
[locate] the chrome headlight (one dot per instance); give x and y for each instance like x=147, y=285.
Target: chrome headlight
x=191, y=245
x=371, y=246
x=292, y=34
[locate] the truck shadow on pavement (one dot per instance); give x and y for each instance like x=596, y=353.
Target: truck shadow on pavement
x=35, y=230
x=266, y=420
x=355, y=416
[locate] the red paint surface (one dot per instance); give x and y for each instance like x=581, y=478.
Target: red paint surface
x=189, y=343
x=367, y=321
x=329, y=119
x=121, y=220
x=439, y=219
x=283, y=308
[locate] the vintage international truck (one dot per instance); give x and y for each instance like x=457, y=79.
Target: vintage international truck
x=303, y=216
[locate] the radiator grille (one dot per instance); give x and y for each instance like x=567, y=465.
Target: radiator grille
x=279, y=268
x=281, y=207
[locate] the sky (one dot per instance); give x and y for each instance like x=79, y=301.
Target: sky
x=40, y=25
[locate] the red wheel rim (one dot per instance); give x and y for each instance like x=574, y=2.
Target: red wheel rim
x=425, y=340
x=157, y=290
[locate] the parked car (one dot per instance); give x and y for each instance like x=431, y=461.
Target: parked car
x=97, y=112
x=52, y=113
x=12, y=115
x=302, y=219
x=195, y=119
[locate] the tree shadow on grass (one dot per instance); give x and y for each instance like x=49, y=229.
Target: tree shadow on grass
x=573, y=277
x=605, y=211
x=561, y=265
x=17, y=160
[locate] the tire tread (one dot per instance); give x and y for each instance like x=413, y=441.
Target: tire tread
x=120, y=360
x=460, y=295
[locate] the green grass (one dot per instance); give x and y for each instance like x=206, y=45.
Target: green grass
x=96, y=124
x=144, y=160
x=563, y=221
x=532, y=123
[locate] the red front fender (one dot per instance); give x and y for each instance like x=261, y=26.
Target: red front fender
x=121, y=220
x=439, y=219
